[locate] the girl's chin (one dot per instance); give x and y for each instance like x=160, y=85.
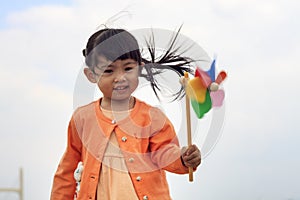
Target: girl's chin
x=121, y=94
x=120, y=98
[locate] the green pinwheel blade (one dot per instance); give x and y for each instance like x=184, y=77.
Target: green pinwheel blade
x=202, y=108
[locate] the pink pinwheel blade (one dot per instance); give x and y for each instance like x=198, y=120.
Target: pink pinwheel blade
x=217, y=98
x=204, y=77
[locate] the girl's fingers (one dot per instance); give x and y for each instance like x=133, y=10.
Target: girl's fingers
x=192, y=156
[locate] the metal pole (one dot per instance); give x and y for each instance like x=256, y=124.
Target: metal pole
x=21, y=184
x=17, y=190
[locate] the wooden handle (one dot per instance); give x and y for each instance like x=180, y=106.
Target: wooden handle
x=188, y=125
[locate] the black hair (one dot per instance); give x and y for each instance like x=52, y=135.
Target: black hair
x=113, y=44
x=116, y=44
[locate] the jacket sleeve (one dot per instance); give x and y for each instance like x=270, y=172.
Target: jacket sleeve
x=64, y=184
x=164, y=146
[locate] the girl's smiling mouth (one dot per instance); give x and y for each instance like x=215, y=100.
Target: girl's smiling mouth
x=121, y=87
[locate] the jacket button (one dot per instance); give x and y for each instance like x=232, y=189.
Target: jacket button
x=145, y=197
x=113, y=121
x=131, y=160
x=138, y=178
x=124, y=139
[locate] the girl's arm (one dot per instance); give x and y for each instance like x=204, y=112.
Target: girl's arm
x=64, y=184
x=164, y=146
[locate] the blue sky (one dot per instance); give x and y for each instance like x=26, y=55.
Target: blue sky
x=257, y=43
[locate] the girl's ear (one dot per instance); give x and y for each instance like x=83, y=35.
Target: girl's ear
x=141, y=66
x=90, y=75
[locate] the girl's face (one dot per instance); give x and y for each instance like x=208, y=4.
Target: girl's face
x=117, y=80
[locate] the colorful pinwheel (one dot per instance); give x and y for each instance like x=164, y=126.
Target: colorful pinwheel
x=203, y=90
x=204, y=93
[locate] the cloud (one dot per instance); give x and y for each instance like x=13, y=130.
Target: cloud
x=42, y=15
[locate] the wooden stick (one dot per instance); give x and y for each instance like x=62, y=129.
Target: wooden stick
x=188, y=125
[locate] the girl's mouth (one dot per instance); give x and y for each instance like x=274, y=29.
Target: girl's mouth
x=120, y=88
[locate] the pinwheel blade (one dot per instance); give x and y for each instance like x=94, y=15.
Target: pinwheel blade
x=212, y=71
x=217, y=98
x=196, y=90
x=202, y=108
x=204, y=77
x=221, y=77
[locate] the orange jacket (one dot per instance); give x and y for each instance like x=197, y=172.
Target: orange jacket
x=147, y=140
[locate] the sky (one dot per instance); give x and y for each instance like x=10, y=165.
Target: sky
x=257, y=43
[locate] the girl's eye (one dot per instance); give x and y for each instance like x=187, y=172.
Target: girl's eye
x=108, y=71
x=128, y=69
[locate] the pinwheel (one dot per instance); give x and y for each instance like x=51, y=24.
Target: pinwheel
x=204, y=93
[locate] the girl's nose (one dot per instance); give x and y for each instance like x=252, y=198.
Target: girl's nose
x=120, y=77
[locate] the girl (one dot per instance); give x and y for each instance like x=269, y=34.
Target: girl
x=125, y=145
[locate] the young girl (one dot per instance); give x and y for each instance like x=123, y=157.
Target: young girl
x=125, y=145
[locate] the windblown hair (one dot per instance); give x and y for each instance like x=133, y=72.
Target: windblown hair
x=116, y=44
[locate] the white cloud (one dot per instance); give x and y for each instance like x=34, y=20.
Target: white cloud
x=42, y=15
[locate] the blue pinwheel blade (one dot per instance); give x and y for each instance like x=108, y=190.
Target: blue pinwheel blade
x=212, y=71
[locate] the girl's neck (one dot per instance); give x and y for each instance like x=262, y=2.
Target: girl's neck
x=117, y=105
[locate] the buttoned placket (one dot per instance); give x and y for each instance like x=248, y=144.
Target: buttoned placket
x=124, y=139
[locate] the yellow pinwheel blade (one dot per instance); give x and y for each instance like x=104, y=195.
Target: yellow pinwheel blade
x=196, y=90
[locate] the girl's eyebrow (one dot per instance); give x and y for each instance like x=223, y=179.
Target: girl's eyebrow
x=105, y=66
x=112, y=65
x=130, y=62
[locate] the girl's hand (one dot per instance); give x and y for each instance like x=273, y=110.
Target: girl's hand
x=191, y=156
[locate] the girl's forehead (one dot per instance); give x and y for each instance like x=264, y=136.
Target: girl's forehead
x=104, y=62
